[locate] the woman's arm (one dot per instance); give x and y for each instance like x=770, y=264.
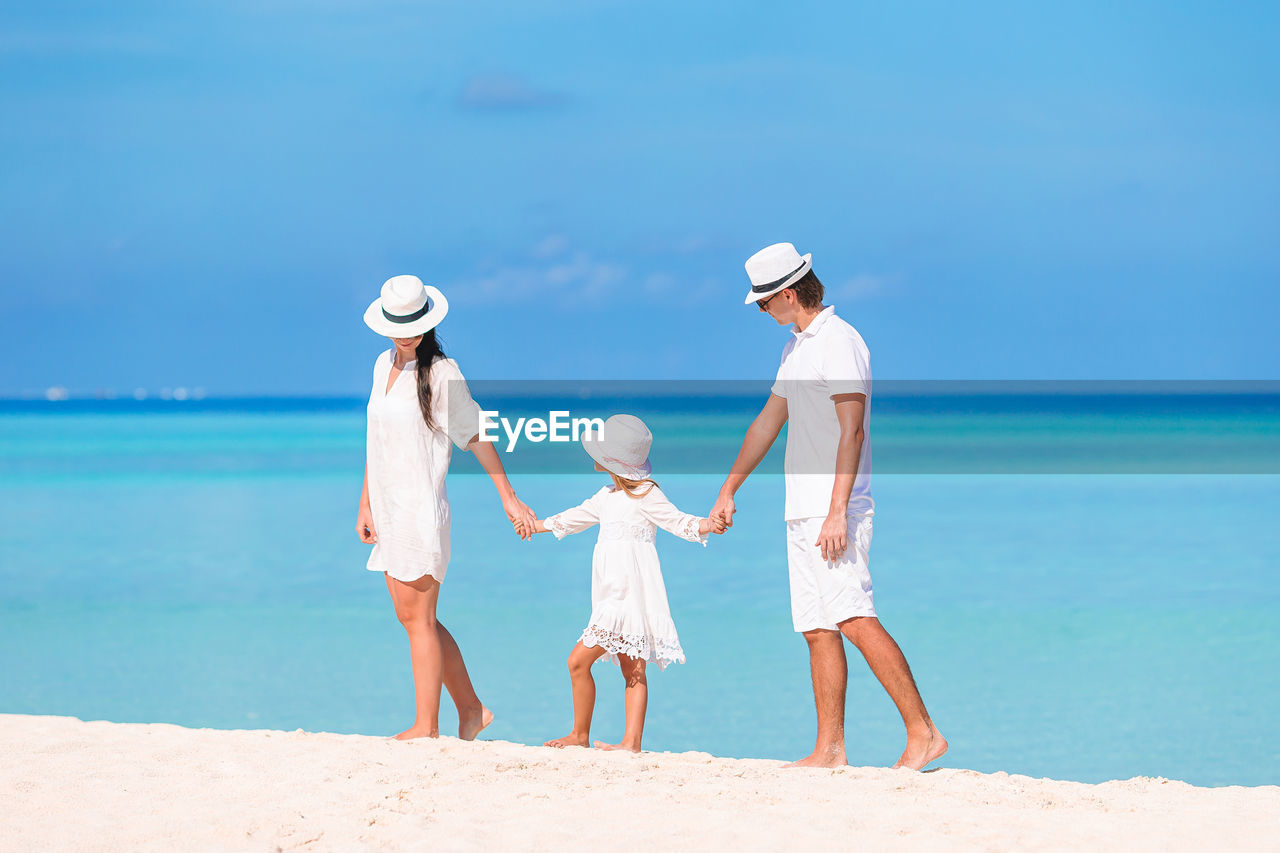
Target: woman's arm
x=517, y=513
x=459, y=415
x=364, y=516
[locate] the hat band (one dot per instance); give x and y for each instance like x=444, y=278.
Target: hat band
x=408, y=318
x=763, y=288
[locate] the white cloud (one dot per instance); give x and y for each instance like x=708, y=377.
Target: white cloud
x=861, y=286
x=551, y=245
x=659, y=284
x=552, y=271
x=496, y=92
x=58, y=43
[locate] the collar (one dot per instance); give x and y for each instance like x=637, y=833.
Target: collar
x=814, y=327
x=412, y=363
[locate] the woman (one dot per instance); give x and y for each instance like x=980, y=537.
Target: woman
x=419, y=404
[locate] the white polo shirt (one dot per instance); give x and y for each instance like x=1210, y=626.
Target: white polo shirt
x=828, y=358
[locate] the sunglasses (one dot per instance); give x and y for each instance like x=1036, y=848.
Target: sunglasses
x=763, y=304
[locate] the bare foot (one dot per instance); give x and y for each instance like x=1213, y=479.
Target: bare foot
x=829, y=757
x=617, y=746
x=473, y=723
x=921, y=751
x=571, y=739
x=416, y=731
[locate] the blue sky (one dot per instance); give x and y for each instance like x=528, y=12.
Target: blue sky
x=209, y=194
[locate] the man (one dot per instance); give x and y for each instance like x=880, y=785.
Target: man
x=822, y=387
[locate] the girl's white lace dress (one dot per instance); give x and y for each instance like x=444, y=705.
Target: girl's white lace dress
x=629, y=612
x=406, y=462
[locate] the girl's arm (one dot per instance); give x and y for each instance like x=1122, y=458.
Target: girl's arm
x=539, y=526
x=655, y=507
x=710, y=525
x=573, y=520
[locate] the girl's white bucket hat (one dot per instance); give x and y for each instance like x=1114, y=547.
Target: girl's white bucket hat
x=623, y=447
x=775, y=268
x=407, y=308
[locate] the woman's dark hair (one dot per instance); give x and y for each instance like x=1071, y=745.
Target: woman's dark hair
x=427, y=352
x=808, y=290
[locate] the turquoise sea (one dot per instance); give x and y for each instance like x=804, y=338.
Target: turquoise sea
x=1085, y=586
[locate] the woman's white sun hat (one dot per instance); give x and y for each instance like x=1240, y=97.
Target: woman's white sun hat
x=623, y=447
x=775, y=268
x=407, y=308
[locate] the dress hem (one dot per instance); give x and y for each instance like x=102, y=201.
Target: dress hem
x=439, y=578
x=642, y=647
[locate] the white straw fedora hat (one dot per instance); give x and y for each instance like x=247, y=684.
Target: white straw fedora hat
x=775, y=268
x=623, y=447
x=407, y=308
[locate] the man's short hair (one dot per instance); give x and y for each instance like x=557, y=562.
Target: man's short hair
x=808, y=290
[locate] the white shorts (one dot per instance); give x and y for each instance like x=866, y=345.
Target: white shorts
x=824, y=594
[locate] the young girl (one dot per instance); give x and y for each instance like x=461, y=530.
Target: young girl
x=630, y=621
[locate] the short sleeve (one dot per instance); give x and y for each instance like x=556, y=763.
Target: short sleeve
x=379, y=375
x=656, y=508
x=779, y=387
x=452, y=407
x=575, y=519
x=846, y=365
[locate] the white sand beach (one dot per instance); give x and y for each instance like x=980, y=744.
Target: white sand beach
x=66, y=784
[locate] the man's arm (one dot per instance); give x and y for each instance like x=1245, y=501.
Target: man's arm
x=759, y=438
x=833, y=540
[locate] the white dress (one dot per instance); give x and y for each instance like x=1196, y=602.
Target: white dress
x=406, y=463
x=629, y=612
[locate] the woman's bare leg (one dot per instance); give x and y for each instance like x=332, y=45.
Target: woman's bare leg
x=584, y=696
x=415, y=604
x=473, y=716
x=637, y=700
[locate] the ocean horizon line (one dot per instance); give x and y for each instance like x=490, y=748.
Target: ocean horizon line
x=541, y=389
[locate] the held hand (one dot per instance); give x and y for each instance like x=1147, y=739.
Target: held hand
x=520, y=516
x=364, y=526
x=833, y=540
x=712, y=524
x=723, y=511
x=525, y=529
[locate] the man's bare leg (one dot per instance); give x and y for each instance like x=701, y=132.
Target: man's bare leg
x=637, y=700
x=473, y=716
x=584, y=696
x=924, y=742
x=830, y=673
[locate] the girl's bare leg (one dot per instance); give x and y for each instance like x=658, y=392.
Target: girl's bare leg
x=415, y=604
x=473, y=716
x=637, y=700
x=584, y=696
